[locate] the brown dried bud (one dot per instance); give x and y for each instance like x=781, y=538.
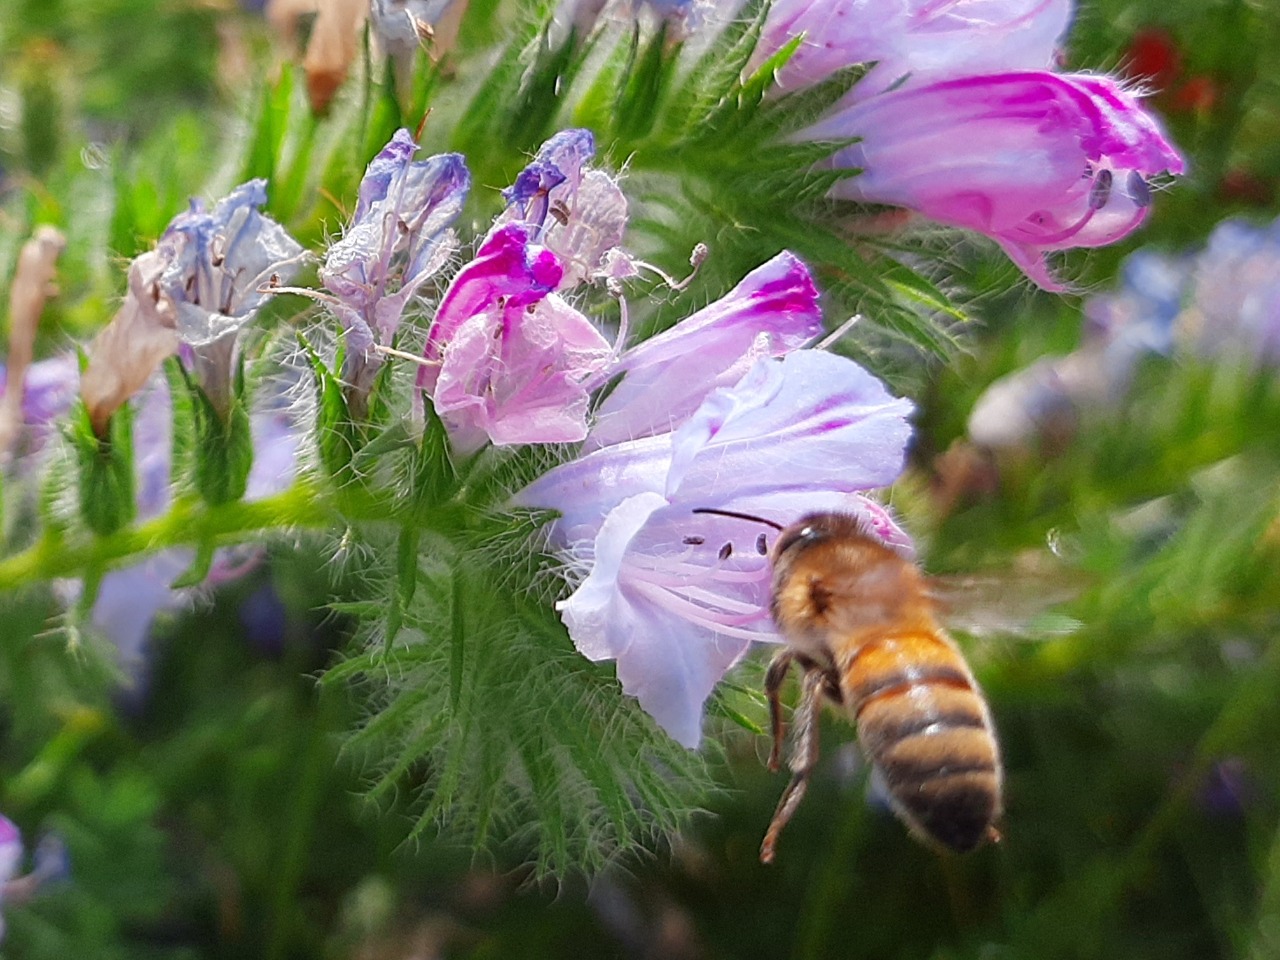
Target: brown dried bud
x=130, y=348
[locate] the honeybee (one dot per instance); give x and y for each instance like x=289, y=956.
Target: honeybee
x=861, y=622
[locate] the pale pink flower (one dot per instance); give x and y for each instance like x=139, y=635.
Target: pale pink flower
x=508, y=361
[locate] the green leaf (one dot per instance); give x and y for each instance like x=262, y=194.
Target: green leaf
x=716, y=75
x=196, y=574
x=335, y=434
x=640, y=98
x=801, y=108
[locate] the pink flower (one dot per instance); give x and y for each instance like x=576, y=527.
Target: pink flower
x=578, y=212
x=1037, y=161
x=912, y=42
x=508, y=360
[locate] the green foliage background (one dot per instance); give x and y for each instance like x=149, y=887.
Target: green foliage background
x=229, y=813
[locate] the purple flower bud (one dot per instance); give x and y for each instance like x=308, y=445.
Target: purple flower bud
x=509, y=361
x=912, y=42
x=1020, y=157
x=772, y=311
x=677, y=597
x=216, y=265
x=578, y=213
x=398, y=237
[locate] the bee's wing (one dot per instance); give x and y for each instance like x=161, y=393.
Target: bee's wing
x=1021, y=602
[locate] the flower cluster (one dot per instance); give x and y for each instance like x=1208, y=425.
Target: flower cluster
x=723, y=410
x=205, y=281
x=963, y=120
x=1220, y=302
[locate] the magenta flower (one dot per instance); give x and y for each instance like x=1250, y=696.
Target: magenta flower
x=912, y=42
x=676, y=597
x=1037, y=161
x=578, y=213
x=772, y=311
x=508, y=361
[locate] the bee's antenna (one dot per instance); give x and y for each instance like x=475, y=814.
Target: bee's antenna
x=739, y=516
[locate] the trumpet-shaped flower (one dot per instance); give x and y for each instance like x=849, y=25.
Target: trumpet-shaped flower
x=912, y=42
x=507, y=360
x=772, y=311
x=399, y=236
x=1037, y=161
x=676, y=597
x=578, y=213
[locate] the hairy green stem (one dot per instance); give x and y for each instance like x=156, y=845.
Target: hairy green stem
x=189, y=522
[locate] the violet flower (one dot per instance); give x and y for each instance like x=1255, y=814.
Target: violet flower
x=508, y=361
x=911, y=42
x=398, y=238
x=675, y=597
x=580, y=214
x=1037, y=161
x=772, y=311
x=48, y=391
x=216, y=265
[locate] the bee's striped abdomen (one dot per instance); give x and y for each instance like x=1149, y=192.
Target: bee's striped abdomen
x=927, y=729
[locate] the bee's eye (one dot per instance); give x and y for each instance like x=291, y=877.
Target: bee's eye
x=806, y=533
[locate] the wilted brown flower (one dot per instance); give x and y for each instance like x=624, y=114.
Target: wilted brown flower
x=130, y=348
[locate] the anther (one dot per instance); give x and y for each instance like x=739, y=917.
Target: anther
x=762, y=545
x=1137, y=188
x=726, y=551
x=1100, y=192
x=694, y=541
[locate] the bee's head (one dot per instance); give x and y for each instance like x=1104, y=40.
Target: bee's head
x=812, y=529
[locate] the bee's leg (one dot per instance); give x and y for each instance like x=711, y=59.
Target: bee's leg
x=773, y=680
x=804, y=756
